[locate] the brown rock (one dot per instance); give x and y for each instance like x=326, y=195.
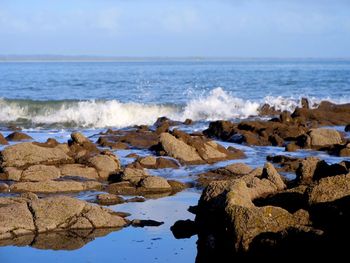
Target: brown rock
x=79, y=170
x=329, y=189
x=3, y=141
x=324, y=137
x=4, y=187
x=18, y=136
x=15, y=220
x=40, y=172
x=109, y=199
x=179, y=150
x=24, y=154
x=106, y=165
x=79, y=138
x=155, y=182
x=151, y=162
x=54, y=186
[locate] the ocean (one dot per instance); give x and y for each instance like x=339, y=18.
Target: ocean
x=51, y=99
x=121, y=94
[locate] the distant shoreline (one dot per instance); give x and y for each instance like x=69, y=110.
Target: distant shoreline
x=54, y=58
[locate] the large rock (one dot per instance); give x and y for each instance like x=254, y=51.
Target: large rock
x=40, y=173
x=329, y=189
x=79, y=170
x=15, y=220
x=54, y=214
x=155, y=182
x=324, y=137
x=194, y=149
x=106, y=165
x=54, y=186
x=25, y=154
x=179, y=150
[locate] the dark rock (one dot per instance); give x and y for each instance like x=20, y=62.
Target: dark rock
x=184, y=229
x=347, y=128
x=18, y=136
x=143, y=223
x=305, y=103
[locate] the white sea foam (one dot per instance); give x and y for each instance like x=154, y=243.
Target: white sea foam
x=216, y=104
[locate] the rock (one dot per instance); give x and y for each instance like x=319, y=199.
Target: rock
x=326, y=114
x=194, y=149
x=79, y=138
x=106, y=165
x=305, y=103
x=109, y=199
x=347, y=128
x=3, y=141
x=188, y=122
x=133, y=175
x=249, y=222
x=143, y=223
x=164, y=127
x=136, y=199
x=324, y=137
x=329, y=189
x=184, y=229
x=40, y=172
x=307, y=169
x=238, y=169
x=104, y=142
x=54, y=186
x=292, y=147
x=79, y=170
x=12, y=173
x=155, y=182
x=63, y=212
x=16, y=220
x=220, y=129
x=272, y=175
x=18, y=136
x=179, y=150
x=4, y=188
x=24, y=154
x=151, y=162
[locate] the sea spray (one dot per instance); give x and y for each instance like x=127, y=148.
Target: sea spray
x=215, y=104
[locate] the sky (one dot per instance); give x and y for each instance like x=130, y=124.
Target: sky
x=176, y=28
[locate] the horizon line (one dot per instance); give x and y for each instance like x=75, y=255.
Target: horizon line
x=107, y=58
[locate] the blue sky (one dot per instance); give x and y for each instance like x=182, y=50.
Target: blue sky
x=236, y=28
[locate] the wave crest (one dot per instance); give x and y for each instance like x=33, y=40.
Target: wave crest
x=216, y=104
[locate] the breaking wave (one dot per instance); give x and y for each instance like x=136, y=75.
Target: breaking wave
x=216, y=104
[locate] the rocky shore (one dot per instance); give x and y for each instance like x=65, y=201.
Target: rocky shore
x=245, y=211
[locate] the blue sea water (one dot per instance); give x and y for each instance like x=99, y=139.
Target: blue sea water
x=53, y=98
x=120, y=94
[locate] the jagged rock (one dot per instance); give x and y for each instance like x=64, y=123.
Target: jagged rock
x=179, y=150
x=3, y=141
x=18, y=136
x=329, y=189
x=79, y=138
x=192, y=150
x=54, y=186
